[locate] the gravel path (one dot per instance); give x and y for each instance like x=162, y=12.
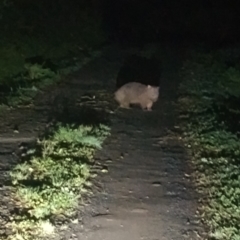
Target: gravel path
x=146, y=193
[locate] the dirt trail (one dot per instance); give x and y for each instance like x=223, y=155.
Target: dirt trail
x=146, y=194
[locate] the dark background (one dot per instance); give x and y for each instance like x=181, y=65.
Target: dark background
x=63, y=29
x=128, y=21
x=209, y=21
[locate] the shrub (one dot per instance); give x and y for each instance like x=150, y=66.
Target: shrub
x=208, y=84
x=51, y=184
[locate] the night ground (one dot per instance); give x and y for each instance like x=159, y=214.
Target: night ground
x=119, y=119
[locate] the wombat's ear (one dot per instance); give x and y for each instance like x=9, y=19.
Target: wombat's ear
x=149, y=86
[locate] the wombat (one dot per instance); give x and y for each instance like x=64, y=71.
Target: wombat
x=137, y=93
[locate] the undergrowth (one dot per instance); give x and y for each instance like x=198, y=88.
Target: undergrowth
x=209, y=111
x=22, y=88
x=51, y=179
x=38, y=49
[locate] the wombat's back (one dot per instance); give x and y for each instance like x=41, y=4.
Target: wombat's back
x=137, y=93
x=130, y=91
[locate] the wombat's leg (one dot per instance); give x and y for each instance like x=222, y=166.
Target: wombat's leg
x=149, y=106
x=143, y=105
x=125, y=105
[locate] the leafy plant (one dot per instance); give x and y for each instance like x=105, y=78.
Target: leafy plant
x=52, y=183
x=208, y=82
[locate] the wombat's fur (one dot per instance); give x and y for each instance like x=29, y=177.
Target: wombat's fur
x=137, y=93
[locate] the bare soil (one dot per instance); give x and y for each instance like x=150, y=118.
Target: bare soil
x=147, y=193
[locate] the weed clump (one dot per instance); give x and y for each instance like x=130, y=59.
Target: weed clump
x=50, y=184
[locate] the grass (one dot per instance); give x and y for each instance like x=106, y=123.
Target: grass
x=52, y=179
x=208, y=109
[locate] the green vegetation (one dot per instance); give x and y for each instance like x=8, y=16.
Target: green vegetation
x=25, y=86
x=209, y=111
x=41, y=41
x=52, y=179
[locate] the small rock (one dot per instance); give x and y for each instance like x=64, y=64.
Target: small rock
x=156, y=184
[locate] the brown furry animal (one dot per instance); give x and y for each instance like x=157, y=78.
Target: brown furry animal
x=137, y=93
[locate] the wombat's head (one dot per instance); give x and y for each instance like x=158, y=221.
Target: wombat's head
x=153, y=92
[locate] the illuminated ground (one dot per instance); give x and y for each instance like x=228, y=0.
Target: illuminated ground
x=147, y=193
